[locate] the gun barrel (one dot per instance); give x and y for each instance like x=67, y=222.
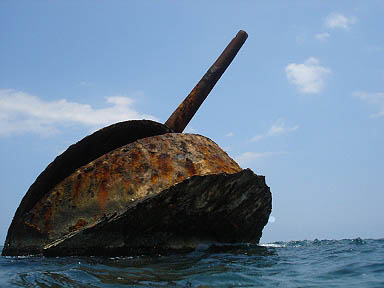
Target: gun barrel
x=187, y=109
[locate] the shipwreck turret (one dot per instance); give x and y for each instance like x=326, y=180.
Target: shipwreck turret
x=143, y=187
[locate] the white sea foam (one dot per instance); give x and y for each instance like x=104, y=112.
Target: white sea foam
x=272, y=245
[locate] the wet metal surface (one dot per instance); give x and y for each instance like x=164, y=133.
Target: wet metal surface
x=85, y=151
x=109, y=184
x=202, y=209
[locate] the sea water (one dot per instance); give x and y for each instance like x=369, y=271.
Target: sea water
x=318, y=263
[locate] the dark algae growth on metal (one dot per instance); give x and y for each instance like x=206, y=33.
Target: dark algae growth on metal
x=142, y=187
x=354, y=263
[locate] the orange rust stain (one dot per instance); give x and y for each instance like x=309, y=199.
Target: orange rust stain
x=113, y=176
x=190, y=167
x=228, y=167
x=103, y=192
x=163, y=163
x=80, y=224
x=102, y=196
x=117, y=165
x=76, y=188
x=154, y=178
x=135, y=158
x=128, y=188
x=165, y=167
x=56, y=196
x=180, y=176
x=205, y=151
x=153, y=160
x=217, y=161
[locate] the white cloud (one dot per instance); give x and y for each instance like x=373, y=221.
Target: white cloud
x=308, y=76
x=276, y=129
x=373, y=98
x=248, y=157
x=337, y=20
x=21, y=112
x=322, y=36
x=230, y=134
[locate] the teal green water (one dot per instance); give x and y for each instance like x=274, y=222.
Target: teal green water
x=325, y=263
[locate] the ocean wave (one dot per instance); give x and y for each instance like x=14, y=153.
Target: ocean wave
x=306, y=263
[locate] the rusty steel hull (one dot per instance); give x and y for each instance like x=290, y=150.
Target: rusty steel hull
x=215, y=208
x=137, y=187
x=111, y=183
x=83, y=152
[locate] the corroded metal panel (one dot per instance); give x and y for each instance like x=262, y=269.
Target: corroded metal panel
x=214, y=208
x=131, y=187
x=112, y=182
x=85, y=151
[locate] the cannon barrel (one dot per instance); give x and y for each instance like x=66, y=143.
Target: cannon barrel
x=187, y=109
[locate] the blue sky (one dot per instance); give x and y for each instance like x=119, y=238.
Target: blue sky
x=302, y=103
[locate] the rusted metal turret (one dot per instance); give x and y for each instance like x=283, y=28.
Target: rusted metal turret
x=143, y=187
